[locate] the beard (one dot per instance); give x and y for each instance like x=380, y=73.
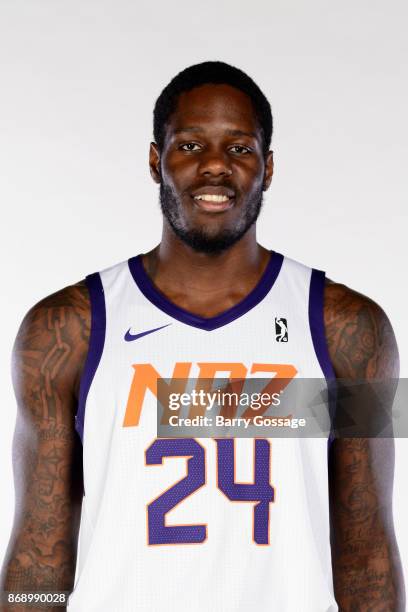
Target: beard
x=201, y=239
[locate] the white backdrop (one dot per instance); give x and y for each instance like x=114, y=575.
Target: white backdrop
x=79, y=79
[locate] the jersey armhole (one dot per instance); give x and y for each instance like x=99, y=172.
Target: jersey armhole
x=318, y=333
x=95, y=348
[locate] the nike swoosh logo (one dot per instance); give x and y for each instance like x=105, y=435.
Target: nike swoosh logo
x=130, y=337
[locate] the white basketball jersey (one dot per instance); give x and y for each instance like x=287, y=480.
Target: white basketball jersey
x=199, y=525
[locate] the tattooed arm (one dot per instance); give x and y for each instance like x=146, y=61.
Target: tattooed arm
x=366, y=565
x=48, y=356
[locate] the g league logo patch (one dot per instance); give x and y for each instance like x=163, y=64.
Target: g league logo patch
x=281, y=329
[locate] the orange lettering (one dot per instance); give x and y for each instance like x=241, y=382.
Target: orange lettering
x=145, y=377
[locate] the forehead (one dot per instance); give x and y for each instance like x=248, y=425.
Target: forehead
x=213, y=106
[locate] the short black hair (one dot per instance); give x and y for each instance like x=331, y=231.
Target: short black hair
x=202, y=74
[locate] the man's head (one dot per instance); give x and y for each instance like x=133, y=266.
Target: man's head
x=212, y=130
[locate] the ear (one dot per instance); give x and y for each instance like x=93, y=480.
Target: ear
x=268, y=170
x=154, y=162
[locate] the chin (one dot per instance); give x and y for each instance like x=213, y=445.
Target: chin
x=211, y=243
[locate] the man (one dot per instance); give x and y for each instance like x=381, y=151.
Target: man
x=164, y=524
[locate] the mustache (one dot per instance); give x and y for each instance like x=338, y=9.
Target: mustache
x=203, y=185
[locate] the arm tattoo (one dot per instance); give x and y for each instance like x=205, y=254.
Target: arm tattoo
x=48, y=357
x=359, y=335
x=366, y=567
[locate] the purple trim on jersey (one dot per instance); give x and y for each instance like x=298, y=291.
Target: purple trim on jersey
x=316, y=321
x=252, y=299
x=317, y=329
x=96, y=343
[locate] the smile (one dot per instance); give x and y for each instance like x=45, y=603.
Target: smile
x=212, y=198
x=213, y=203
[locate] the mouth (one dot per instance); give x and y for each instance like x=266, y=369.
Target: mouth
x=215, y=203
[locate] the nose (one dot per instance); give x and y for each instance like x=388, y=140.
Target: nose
x=215, y=164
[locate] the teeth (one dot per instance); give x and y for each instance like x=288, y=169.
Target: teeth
x=212, y=198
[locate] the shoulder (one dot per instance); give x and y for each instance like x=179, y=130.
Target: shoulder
x=75, y=297
x=360, y=337
x=52, y=340
x=59, y=310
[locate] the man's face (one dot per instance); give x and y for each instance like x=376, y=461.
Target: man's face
x=212, y=170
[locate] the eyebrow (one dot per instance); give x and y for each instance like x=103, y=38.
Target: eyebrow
x=228, y=132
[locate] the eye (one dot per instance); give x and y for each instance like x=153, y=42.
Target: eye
x=189, y=146
x=240, y=149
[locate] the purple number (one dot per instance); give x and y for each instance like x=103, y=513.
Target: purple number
x=260, y=490
x=158, y=532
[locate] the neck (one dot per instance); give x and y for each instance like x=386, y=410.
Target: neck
x=202, y=282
